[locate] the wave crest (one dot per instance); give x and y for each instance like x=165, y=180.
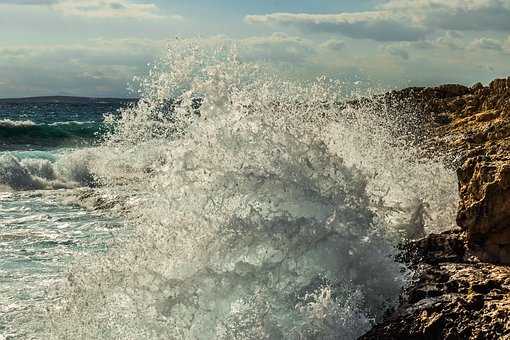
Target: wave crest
x=70, y=170
x=54, y=134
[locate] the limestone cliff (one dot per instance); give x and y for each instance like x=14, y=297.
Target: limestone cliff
x=461, y=283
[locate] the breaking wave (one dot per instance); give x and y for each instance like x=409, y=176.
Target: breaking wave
x=272, y=212
x=48, y=171
x=55, y=134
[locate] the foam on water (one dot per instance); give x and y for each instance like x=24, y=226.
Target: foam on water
x=16, y=123
x=39, y=236
x=266, y=215
x=45, y=171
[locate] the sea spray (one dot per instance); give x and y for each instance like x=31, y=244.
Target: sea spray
x=401, y=179
x=70, y=169
x=261, y=217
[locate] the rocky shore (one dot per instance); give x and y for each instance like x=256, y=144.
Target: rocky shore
x=460, y=288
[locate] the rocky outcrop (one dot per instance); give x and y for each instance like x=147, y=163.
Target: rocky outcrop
x=460, y=287
x=484, y=211
x=478, y=130
x=471, y=126
x=450, y=296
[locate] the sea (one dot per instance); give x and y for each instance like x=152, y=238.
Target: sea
x=228, y=202
x=40, y=233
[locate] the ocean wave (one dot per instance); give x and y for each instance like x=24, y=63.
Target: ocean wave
x=72, y=122
x=270, y=215
x=64, y=172
x=16, y=123
x=54, y=134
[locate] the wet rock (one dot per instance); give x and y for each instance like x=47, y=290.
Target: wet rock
x=460, y=287
x=484, y=210
x=445, y=299
x=99, y=200
x=472, y=125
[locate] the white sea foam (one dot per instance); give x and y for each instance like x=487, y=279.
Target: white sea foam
x=29, y=123
x=72, y=122
x=267, y=216
x=16, y=123
x=14, y=174
x=69, y=171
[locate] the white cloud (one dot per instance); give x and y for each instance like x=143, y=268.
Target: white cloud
x=487, y=44
x=463, y=15
x=278, y=47
x=333, y=44
x=27, y=2
x=374, y=25
x=108, y=9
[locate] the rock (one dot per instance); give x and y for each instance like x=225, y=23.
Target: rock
x=473, y=125
x=484, y=210
x=460, y=287
x=449, y=295
x=436, y=248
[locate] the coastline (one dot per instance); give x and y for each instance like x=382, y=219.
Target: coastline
x=461, y=284
x=460, y=288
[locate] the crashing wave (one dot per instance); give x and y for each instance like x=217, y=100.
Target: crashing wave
x=68, y=171
x=54, y=134
x=7, y=123
x=266, y=215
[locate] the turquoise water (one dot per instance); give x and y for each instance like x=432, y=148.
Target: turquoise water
x=46, y=125
x=39, y=237
x=40, y=234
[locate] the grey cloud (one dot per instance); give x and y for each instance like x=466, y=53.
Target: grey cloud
x=117, y=5
x=462, y=15
x=483, y=19
x=95, y=67
x=378, y=26
x=398, y=52
x=402, y=20
x=448, y=41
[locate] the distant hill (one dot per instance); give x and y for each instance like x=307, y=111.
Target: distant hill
x=66, y=100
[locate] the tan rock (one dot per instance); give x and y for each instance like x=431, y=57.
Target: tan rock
x=485, y=208
x=461, y=282
x=449, y=297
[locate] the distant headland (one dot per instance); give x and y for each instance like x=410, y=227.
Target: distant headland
x=64, y=100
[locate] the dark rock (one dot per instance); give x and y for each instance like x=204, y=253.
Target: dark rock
x=451, y=301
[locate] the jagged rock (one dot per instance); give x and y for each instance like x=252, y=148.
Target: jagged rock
x=96, y=199
x=450, y=296
x=460, y=288
x=485, y=207
x=436, y=248
x=473, y=126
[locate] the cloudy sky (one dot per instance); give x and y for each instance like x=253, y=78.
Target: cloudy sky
x=95, y=47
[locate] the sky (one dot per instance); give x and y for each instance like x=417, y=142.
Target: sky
x=96, y=47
